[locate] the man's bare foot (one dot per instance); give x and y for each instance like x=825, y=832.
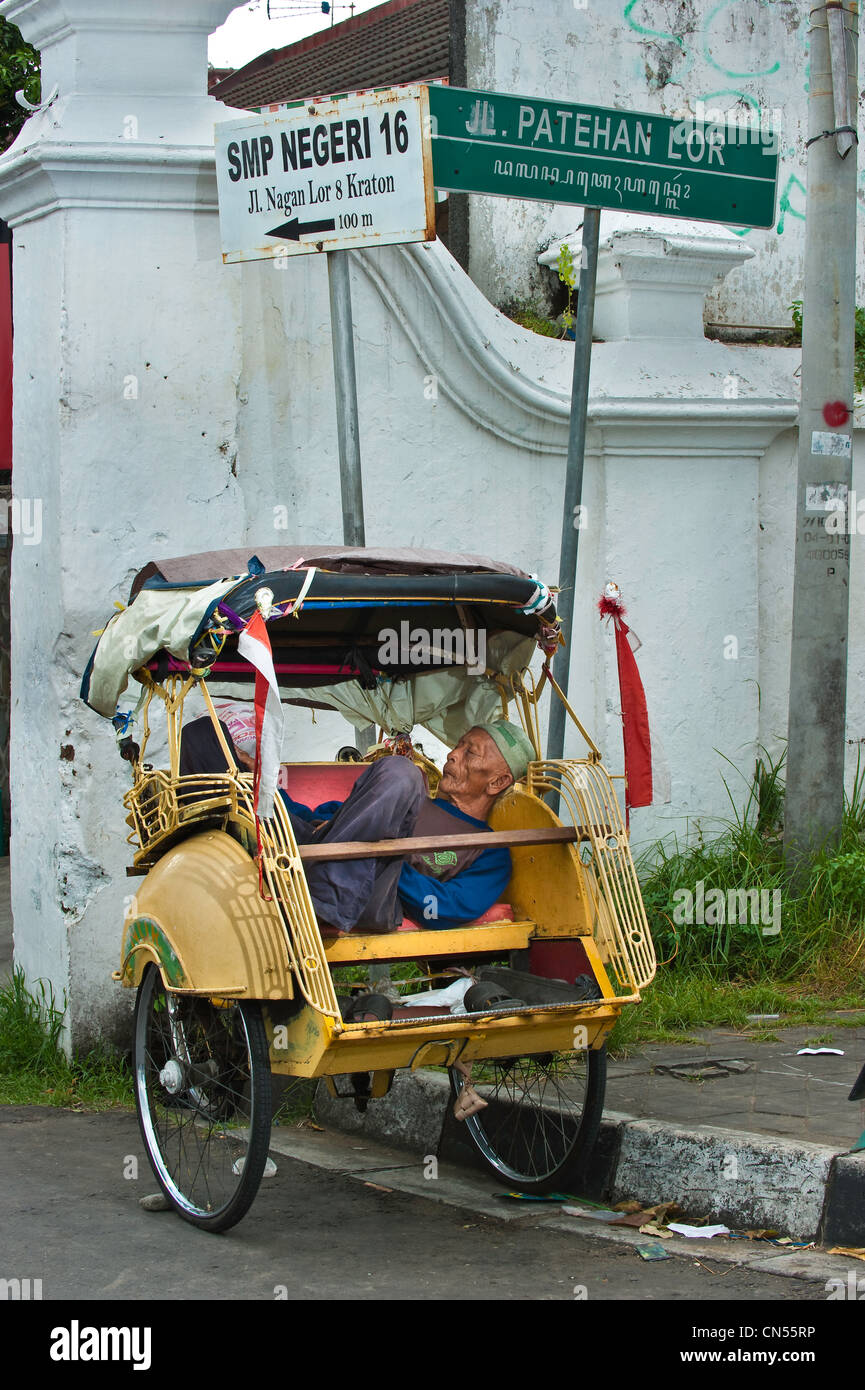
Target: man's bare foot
x=468, y=1101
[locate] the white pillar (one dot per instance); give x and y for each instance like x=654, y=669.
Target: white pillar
x=126, y=364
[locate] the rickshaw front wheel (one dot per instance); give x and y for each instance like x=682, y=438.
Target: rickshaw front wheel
x=542, y=1117
x=203, y=1096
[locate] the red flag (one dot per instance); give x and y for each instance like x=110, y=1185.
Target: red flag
x=635, y=723
x=640, y=770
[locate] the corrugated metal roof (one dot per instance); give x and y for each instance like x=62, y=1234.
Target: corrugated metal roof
x=401, y=41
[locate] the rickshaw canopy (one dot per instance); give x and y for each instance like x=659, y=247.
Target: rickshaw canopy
x=397, y=637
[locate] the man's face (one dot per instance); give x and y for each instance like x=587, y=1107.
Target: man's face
x=475, y=768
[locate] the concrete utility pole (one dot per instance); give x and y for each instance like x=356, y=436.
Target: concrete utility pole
x=818, y=666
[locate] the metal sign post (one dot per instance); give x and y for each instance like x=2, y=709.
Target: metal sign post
x=574, y=469
x=345, y=382
x=348, y=430
x=325, y=176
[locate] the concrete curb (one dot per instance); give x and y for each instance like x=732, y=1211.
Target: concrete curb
x=805, y=1191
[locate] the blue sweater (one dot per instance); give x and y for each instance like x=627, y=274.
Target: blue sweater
x=433, y=904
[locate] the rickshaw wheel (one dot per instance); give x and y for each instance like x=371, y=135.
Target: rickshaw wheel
x=542, y=1117
x=203, y=1096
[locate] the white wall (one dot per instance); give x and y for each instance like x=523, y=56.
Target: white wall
x=463, y=420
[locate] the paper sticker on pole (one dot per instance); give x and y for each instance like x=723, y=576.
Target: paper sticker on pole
x=326, y=175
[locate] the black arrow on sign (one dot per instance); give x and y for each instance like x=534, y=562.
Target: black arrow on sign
x=294, y=230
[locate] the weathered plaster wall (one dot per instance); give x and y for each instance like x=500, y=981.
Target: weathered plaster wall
x=125, y=367
x=165, y=404
x=649, y=55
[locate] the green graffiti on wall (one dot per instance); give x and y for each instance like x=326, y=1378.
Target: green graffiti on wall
x=784, y=204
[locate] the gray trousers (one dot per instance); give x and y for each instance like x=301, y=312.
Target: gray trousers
x=361, y=894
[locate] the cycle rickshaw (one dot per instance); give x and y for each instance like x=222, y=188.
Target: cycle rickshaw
x=234, y=977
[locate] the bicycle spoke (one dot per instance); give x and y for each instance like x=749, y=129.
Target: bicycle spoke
x=196, y=1101
x=535, y=1108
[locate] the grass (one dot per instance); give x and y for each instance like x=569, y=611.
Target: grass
x=528, y=316
x=676, y=1005
x=34, y=1070
x=821, y=943
x=715, y=973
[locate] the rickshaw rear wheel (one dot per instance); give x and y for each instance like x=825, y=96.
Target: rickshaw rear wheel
x=542, y=1117
x=203, y=1096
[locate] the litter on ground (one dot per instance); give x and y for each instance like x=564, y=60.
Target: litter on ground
x=698, y=1232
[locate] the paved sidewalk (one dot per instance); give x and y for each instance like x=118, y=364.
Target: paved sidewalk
x=739, y=1130
x=767, y=1088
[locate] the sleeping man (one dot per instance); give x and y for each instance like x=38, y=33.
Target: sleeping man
x=389, y=800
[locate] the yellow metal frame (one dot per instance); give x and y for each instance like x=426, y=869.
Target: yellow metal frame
x=215, y=928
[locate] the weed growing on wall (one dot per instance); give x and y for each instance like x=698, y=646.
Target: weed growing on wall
x=796, y=309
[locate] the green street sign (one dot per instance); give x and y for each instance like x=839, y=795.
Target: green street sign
x=563, y=152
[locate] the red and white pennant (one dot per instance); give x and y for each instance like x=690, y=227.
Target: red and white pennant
x=253, y=644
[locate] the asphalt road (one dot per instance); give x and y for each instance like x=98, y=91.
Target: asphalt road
x=69, y=1215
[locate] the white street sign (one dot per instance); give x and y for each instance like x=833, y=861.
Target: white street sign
x=326, y=175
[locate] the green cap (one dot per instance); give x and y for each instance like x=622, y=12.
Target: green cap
x=513, y=744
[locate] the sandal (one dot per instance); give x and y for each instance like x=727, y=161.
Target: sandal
x=488, y=995
x=366, y=1008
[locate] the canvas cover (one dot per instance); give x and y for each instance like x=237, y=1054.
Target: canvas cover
x=173, y=609
x=212, y=565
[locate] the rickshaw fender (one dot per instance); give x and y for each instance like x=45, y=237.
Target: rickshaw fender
x=199, y=915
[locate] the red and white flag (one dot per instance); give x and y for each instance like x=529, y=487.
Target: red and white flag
x=253, y=644
x=646, y=775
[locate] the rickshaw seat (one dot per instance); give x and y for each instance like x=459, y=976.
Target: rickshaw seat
x=314, y=783
x=496, y=937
